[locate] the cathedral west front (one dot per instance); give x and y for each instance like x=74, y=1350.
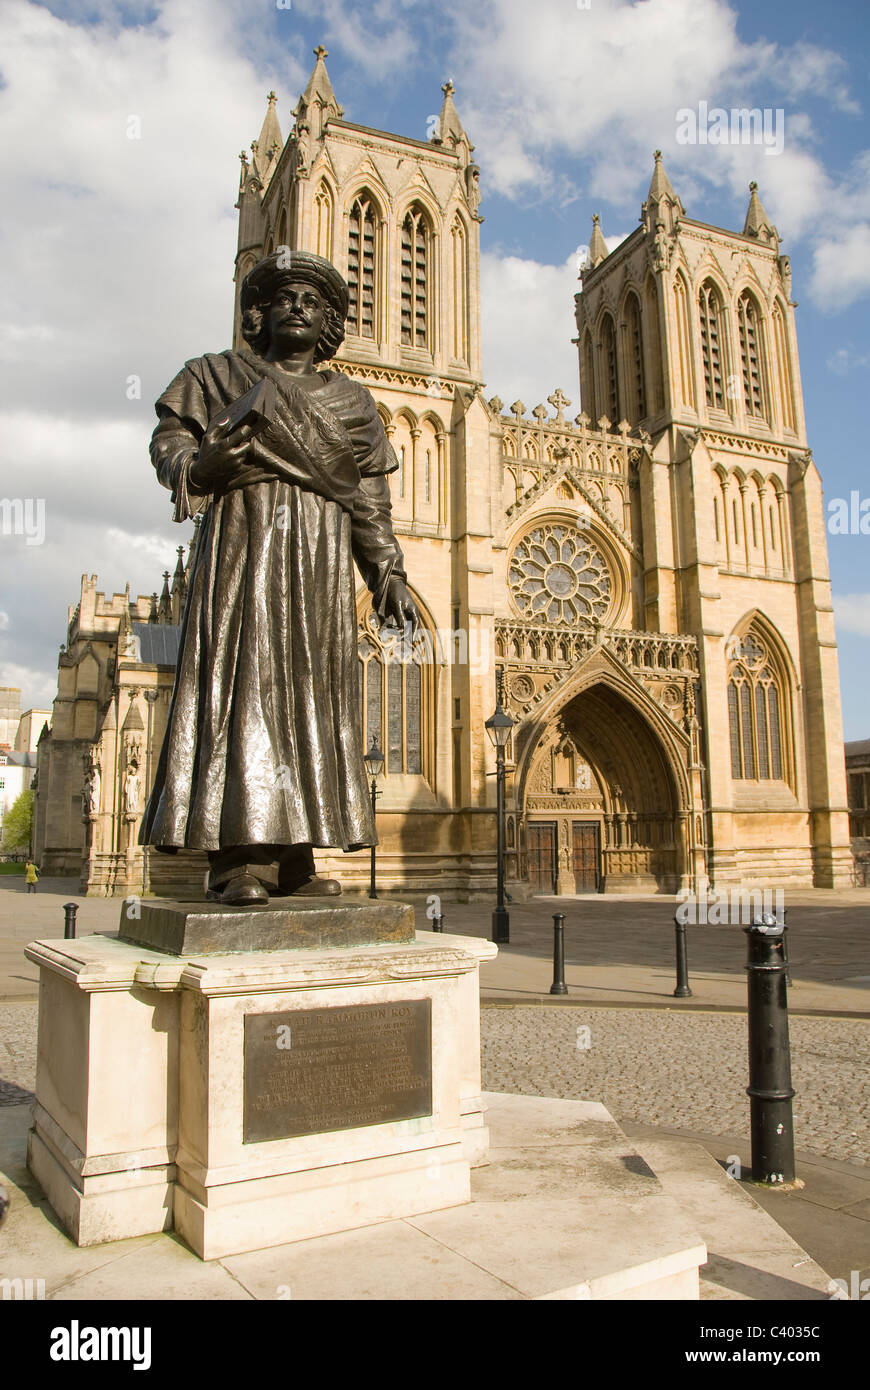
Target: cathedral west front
x=648, y=573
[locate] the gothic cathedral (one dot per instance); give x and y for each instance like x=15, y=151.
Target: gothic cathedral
x=648, y=577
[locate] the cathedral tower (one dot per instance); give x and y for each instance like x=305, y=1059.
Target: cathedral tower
x=399, y=218
x=687, y=333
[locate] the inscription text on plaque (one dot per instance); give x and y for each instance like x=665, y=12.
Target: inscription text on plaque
x=314, y=1070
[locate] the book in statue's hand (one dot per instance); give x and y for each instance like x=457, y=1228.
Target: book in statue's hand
x=255, y=408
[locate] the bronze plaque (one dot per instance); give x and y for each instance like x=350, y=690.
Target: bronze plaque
x=314, y=1070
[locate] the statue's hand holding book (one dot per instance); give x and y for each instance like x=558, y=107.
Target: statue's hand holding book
x=228, y=437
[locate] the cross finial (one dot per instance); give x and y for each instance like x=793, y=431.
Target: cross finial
x=558, y=401
x=657, y=154
x=321, y=52
x=270, y=97
x=753, y=187
x=448, y=88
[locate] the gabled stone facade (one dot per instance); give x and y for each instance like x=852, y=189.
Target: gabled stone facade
x=649, y=574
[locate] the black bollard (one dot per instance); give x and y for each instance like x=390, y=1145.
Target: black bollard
x=770, y=1090
x=438, y=922
x=682, y=990
x=558, y=986
x=69, y=921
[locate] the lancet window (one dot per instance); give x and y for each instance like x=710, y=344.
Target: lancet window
x=415, y=277
x=755, y=713
x=749, y=333
x=710, y=307
x=361, y=269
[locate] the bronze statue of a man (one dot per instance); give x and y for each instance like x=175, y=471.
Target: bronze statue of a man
x=263, y=756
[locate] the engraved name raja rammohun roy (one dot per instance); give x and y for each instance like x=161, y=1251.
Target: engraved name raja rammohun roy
x=286, y=461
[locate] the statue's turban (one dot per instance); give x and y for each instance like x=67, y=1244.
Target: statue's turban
x=285, y=265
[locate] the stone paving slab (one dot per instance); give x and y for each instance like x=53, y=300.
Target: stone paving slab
x=444, y=1256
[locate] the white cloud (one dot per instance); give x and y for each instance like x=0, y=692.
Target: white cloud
x=4, y=620
x=527, y=329
x=604, y=85
x=852, y=613
x=38, y=686
x=846, y=359
x=841, y=268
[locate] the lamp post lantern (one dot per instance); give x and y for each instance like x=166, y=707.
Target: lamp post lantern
x=374, y=761
x=499, y=726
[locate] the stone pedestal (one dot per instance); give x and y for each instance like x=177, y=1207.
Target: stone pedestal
x=252, y=1098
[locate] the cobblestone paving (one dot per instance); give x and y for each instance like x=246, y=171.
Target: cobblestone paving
x=17, y=1052
x=683, y=1071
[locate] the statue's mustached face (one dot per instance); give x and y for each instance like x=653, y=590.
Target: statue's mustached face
x=296, y=317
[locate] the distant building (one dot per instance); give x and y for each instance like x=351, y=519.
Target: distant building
x=95, y=763
x=858, y=782
x=10, y=714
x=30, y=726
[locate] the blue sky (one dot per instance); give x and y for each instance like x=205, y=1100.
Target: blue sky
x=565, y=105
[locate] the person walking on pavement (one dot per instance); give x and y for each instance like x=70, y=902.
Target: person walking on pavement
x=31, y=876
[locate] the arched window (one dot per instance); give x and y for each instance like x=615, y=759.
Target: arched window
x=361, y=269
x=587, y=390
x=686, y=375
x=415, y=279
x=323, y=222
x=755, y=712
x=395, y=696
x=635, y=356
x=609, y=380
x=710, y=306
x=460, y=293
x=749, y=334
x=783, y=369
x=656, y=390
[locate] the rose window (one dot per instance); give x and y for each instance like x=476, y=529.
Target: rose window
x=558, y=575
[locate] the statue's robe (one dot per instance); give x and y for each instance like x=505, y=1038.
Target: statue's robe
x=264, y=740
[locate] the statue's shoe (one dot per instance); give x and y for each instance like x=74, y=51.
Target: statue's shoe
x=240, y=891
x=314, y=887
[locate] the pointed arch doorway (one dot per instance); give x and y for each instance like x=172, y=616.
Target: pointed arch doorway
x=600, y=802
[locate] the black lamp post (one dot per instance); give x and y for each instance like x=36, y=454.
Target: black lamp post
x=499, y=726
x=374, y=761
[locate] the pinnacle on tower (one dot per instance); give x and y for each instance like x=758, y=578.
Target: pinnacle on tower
x=757, y=223
x=164, y=608
x=270, y=136
x=660, y=185
x=662, y=204
x=449, y=129
x=597, y=245
x=318, y=102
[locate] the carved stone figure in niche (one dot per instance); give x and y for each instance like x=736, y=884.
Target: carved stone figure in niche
x=91, y=790
x=132, y=790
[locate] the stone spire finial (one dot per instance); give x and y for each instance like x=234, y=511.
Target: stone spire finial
x=597, y=245
x=660, y=185
x=662, y=209
x=164, y=608
x=757, y=223
x=448, y=130
x=318, y=102
x=263, y=149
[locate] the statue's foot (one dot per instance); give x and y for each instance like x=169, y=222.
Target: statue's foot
x=313, y=887
x=240, y=891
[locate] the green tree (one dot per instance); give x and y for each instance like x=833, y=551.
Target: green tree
x=18, y=823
